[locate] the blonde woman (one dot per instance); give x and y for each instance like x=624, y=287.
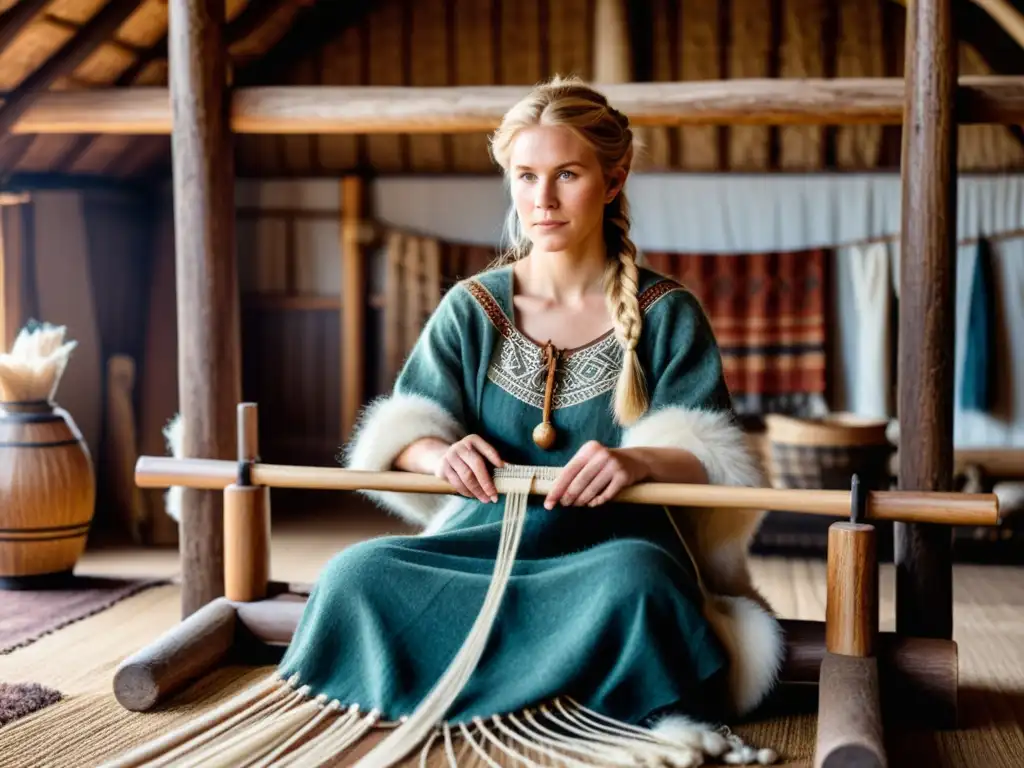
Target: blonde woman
x=606, y=602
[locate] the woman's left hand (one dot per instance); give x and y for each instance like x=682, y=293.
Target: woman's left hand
x=595, y=475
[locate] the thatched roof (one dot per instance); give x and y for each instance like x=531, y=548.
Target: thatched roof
x=84, y=44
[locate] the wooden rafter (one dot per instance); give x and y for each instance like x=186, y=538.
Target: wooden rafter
x=17, y=17
x=93, y=33
x=1006, y=15
x=255, y=14
x=371, y=109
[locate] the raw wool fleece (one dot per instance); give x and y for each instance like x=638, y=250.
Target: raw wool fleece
x=719, y=540
x=174, y=434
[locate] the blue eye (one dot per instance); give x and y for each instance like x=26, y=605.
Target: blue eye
x=567, y=174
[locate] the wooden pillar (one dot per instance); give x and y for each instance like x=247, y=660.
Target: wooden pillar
x=924, y=593
x=209, y=377
x=353, y=303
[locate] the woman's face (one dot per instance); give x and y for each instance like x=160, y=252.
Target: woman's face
x=558, y=188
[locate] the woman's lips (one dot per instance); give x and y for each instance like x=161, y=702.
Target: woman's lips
x=549, y=224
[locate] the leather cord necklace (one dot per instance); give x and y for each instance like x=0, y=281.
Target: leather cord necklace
x=544, y=433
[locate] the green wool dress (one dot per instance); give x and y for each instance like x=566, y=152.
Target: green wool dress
x=603, y=604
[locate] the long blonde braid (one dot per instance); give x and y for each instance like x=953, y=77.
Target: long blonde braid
x=621, y=292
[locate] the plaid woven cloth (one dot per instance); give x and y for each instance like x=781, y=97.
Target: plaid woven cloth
x=768, y=314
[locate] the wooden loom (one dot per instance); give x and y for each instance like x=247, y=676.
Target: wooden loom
x=847, y=656
x=228, y=601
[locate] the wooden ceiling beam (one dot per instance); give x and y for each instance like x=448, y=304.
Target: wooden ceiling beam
x=371, y=109
x=92, y=35
x=17, y=17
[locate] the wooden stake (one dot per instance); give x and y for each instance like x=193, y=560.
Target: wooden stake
x=246, y=520
x=923, y=553
x=353, y=303
x=209, y=377
x=851, y=614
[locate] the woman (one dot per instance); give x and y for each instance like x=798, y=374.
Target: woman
x=640, y=615
x=604, y=602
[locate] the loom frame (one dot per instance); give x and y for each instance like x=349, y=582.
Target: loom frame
x=934, y=101
x=845, y=655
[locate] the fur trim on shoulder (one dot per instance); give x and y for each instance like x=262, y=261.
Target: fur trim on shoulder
x=388, y=426
x=174, y=434
x=712, y=436
x=753, y=640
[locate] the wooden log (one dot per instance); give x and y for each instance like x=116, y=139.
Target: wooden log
x=209, y=377
x=185, y=653
x=951, y=508
x=477, y=109
x=849, y=724
x=923, y=553
x=920, y=674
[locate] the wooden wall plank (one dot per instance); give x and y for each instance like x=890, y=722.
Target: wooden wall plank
x=749, y=49
x=475, y=64
x=428, y=66
x=387, y=67
x=859, y=54
x=800, y=147
x=569, y=40
x=699, y=37
x=342, y=65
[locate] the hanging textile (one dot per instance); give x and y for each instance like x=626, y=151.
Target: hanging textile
x=978, y=387
x=767, y=311
x=871, y=383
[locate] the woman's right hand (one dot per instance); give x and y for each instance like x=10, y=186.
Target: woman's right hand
x=464, y=465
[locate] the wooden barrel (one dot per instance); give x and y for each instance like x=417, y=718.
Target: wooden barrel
x=47, y=494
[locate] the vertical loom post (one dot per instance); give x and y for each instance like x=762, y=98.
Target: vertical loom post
x=246, y=519
x=849, y=704
x=927, y=314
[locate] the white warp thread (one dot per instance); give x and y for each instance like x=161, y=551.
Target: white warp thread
x=515, y=481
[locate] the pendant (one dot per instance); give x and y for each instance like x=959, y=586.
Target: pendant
x=544, y=433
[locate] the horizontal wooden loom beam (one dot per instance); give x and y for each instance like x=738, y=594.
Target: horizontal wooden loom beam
x=948, y=508
x=466, y=109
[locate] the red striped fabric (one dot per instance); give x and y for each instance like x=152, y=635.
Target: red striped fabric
x=768, y=314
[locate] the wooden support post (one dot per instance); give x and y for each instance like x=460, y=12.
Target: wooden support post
x=923, y=553
x=353, y=303
x=849, y=708
x=246, y=520
x=209, y=377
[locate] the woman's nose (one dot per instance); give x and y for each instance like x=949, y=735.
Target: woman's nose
x=545, y=197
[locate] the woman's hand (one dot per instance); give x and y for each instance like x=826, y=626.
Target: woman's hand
x=463, y=465
x=595, y=475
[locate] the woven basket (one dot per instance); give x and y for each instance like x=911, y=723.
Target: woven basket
x=822, y=453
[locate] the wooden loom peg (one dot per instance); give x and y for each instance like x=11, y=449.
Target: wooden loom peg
x=849, y=708
x=246, y=519
x=544, y=433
